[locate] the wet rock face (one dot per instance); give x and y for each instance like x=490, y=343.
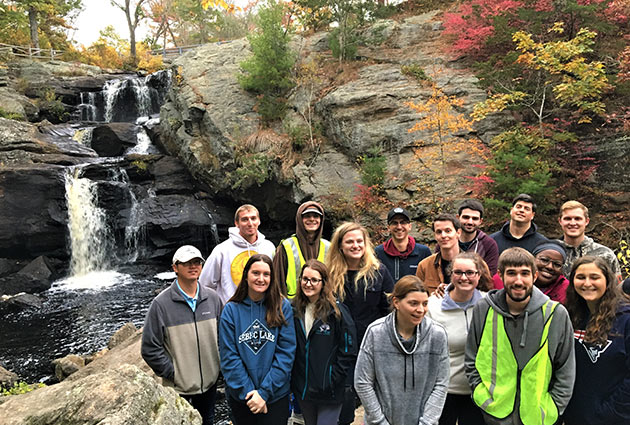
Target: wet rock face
x=33, y=219
x=119, y=396
x=158, y=193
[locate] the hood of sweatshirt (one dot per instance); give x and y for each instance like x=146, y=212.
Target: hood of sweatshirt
x=241, y=242
x=496, y=299
x=422, y=331
x=505, y=230
x=449, y=304
x=309, y=244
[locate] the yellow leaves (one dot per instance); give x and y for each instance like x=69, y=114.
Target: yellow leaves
x=562, y=66
x=230, y=8
x=496, y=103
x=558, y=27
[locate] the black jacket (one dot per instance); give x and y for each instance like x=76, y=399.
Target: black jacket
x=529, y=241
x=325, y=358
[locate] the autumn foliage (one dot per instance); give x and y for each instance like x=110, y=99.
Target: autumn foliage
x=480, y=28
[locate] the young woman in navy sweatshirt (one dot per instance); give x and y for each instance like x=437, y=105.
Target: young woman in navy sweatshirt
x=326, y=346
x=257, y=347
x=601, y=319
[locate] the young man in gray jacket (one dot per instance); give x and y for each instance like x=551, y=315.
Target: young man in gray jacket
x=179, y=340
x=519, y=357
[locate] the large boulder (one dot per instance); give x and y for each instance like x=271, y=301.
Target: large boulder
x=17, y=105
x=67, y=365
x=19, y=302
x=127, y=352
x=118, y=396
x=127, y=331
x=112, y=139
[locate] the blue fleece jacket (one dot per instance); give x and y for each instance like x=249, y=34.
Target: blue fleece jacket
x=255, y=356
x=601, y=394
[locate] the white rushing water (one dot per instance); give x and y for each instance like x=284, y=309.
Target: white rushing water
x=89, y=236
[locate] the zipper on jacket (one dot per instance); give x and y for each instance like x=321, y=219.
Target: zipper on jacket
x=308, y=343
x=328, y=363
x=198, y=351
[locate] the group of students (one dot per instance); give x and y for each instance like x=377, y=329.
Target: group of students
x=325, y=321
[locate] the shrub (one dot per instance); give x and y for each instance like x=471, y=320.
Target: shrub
x=253, y=169
x=21, y=388
x=372, y=167
x=521, y=163
x=11, y=115
x=414, y=70
x=298, y=134
x=268, y=71
x=346, y=50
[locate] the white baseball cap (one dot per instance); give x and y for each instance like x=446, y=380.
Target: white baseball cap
x=186, y=253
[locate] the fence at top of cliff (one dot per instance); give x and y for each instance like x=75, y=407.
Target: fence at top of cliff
x=173, y=52
x=170, y=53
x=30, y=52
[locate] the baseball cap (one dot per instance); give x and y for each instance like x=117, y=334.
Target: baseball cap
x=312, y=210
x=186, y=253
x=398, y=211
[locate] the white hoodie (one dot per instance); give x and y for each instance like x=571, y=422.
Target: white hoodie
x=224, y=268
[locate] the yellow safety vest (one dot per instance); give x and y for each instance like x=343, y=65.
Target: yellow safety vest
x=292, y=249
x=498, y=369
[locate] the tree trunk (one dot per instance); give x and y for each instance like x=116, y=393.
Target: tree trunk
x=32, y=21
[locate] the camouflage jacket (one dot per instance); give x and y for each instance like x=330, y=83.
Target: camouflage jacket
x=589, y=247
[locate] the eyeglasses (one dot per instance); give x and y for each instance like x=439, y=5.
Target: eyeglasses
x=190, y=263
x=546, y=261
x=469, y=273
x=311, y=281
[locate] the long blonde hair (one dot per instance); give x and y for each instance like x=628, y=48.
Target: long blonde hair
x=338, y=267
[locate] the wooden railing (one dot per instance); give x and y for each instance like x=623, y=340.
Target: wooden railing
x=173, y=52
x=30, y=52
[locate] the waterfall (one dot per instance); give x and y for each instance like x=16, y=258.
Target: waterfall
x=143, y=96
x=89, y=237
x=111, y=91
x=144, y=145
x=87, y=107
x=84, y=136
x=134, y=235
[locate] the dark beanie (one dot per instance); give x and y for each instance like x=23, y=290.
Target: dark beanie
x=550, y=245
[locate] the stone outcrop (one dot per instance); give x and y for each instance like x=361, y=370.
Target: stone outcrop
x=127, y=331
x=67, y=365
x=207, y=111
x=17, y=105
x=127, y=352
x=206, y=117
x=123, y=395
x=37, y=276
x=7, y=378
x=19, y=302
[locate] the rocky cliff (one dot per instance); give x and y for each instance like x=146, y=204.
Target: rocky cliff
x=208, y=116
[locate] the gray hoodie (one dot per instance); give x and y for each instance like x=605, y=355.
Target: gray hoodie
x=400, y=386
x=525, y=331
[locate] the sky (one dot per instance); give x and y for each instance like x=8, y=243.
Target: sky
x=96, y=15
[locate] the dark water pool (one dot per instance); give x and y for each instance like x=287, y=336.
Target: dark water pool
x=78, y=317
